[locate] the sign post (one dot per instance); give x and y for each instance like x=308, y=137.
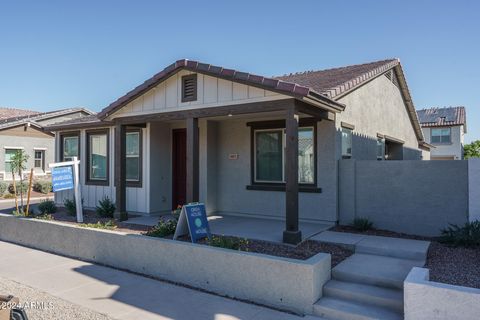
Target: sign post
x=64, y=178
x=193, y=220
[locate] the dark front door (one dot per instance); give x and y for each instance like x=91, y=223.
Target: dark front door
x=179, y=167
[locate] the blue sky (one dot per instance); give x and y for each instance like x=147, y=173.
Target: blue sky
x=56, y=54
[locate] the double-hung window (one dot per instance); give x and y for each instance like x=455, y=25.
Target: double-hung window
x=9, y=153
x=97, y=157
x=134, y=157
x=39, y=160
x=269, y=148
x=441, y=135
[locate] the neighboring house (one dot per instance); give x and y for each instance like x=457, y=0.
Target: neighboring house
x=24, y=129
x=146, y=152
x=445, y=129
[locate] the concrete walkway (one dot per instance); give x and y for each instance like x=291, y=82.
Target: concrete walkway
x=119, y=294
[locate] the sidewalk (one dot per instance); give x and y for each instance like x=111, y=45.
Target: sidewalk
x=119, y=294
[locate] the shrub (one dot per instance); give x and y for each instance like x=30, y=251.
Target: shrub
x=228, y=242
x=21, y=187
x=362, y=224
x=70, y=206
x=106, y=208
x=8, y=196
x=3, y=187
x=47, y=206
x=467, y=236
x=109, y=225
x=44, y=216
x=163, y=229
x=43, y=186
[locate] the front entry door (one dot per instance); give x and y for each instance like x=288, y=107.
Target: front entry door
x=179, y=167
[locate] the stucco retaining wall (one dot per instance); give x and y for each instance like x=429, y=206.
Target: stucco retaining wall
x=278, y=282
x=414, y=197
x=474, y=189
x=429, y=300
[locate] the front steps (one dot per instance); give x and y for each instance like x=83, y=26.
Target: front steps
x=369, y=284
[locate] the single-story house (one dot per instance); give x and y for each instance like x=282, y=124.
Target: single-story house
x=241, y=143
x=445, y=129
x=24, y=129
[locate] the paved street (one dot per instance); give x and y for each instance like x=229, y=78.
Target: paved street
x=114, y=293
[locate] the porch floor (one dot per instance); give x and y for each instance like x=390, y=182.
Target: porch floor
x=246, y=227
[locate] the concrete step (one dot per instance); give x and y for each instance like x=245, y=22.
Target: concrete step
x=337, y=309
x=375, y=270
x=366, y=294
x=393, y=247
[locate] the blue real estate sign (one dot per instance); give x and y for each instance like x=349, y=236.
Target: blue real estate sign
x=62, y=178
x=197, y=221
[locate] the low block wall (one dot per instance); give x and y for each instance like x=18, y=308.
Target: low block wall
x=429, y=300
x=278, y=282
x=415, y=197
x=474, y=189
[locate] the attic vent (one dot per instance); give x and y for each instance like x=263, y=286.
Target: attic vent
x=388, y=74
x=189, y=88
x=394, y=79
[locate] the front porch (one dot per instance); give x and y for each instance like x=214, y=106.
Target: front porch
x=246, y=227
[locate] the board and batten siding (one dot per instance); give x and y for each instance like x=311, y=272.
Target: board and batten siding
x=137, y=199
x=211, y=92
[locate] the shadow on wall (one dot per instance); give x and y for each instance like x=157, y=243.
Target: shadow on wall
x=365, y=147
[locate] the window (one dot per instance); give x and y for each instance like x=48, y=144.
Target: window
x=347, y=143
x=380, y=149
x=441, y=135
x=270, y=155
x=9, y=153
x=189, y=88
x=97, y=157
x=39, y=159
x=70, y=147
x=133, y=157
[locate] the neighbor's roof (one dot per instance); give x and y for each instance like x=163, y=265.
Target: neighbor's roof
x=34, y=117
x=90, y=121
x=12, y=113
x=441, y=117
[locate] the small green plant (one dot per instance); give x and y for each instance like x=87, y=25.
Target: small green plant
x=467, y=235
x=362, y=224
x=3, y=187
x=44, y=216
x=70, y=206
x=163, y=229
x=105, y=208
x=8, y=196
x=176, y=212
x=21, y=187
x=42, y=186
x=47, y=206
x=18, y=213
x=228, y=243
x=108, y=225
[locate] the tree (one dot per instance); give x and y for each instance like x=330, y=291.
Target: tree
x=19, y=163
x=472, y=150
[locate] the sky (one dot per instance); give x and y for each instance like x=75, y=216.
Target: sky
x=58, y=54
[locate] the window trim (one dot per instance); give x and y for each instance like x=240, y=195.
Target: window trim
x=62, y=145
x=280, y=125
x=441, y=128
x=96, y=182
x=347, y=156
x=42, y=159
x=135, y=183
x=5, y=158
x=189, y=77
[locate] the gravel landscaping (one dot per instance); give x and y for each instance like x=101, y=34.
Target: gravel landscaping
x=379, y=232
x=43, y=306
x=454, y=265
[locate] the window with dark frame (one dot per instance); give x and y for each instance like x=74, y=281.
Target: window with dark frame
x=70, y=146
x=189, y=88
x=441, y=135
x=347, y=143
x=39, y=159
x=133, y=157
x=269, y=155
x=98, y=157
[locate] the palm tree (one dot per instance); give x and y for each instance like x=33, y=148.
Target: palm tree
x=19, y=163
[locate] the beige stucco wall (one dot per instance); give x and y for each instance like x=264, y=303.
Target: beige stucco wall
x=377, y=108
x=453, y=149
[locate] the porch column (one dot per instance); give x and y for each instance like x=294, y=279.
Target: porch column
x=192, y=160
x=120, y=169
x=291, y=234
